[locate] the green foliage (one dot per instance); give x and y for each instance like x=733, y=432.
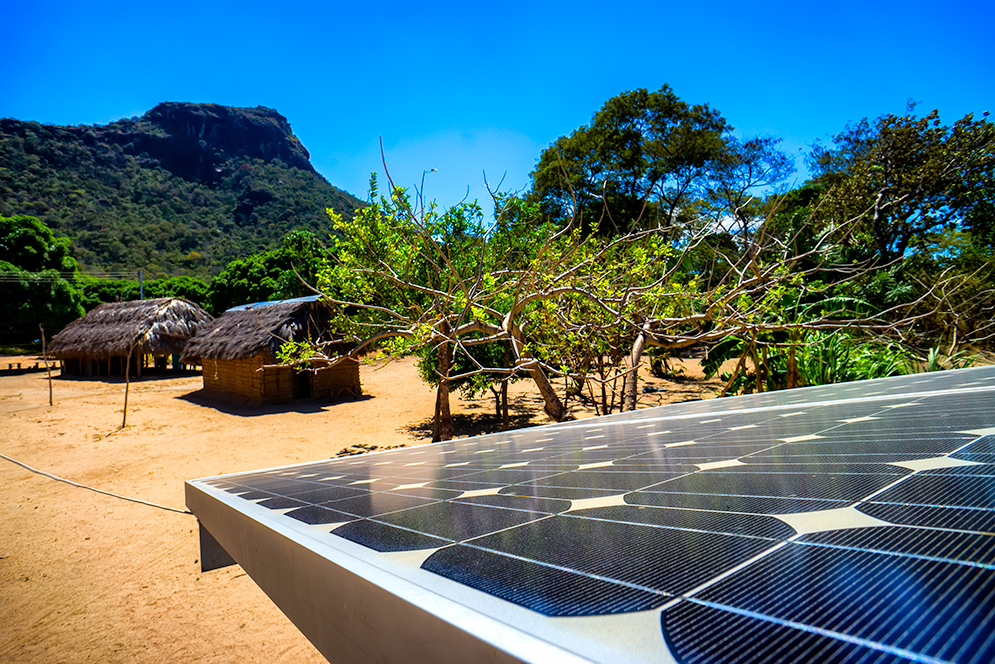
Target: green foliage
x=96, y=290
x=936, y=361
x=30, y=245
x=288, y=272
x=37, y=280
x=189, y=288
x=904, y=179
x=271, y=275
x=297, y=353
x=838, y=357
x=33, y=298
x=386, y=259
x=465, y=364
x=824, y=358
x=653, y=225
x=638, y=162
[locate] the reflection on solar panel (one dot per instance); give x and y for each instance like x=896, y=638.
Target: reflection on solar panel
x=844, y=523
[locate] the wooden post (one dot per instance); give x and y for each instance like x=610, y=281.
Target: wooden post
x=44, y=356
x=127, y=385
x=127, y=379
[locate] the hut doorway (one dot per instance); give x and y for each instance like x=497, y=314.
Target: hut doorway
x=302, y=384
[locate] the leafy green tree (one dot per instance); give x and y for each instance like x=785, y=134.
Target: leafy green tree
x=640, y=162
x=189, y=288
x=715, y=262
x=99, y=290
x=409, y=279
x=37, y=280
x=916, y=198
x=470, y=381
x=33, y=298
x=738, y=186
x=441, y=284
x=288, y=272
x=31, y=246
x=900, y=181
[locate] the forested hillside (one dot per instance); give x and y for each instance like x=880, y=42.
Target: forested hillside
x=182, y=190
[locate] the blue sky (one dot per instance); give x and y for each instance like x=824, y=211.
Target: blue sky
x=474, y=88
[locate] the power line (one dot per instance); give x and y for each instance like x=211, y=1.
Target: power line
x=49, y=276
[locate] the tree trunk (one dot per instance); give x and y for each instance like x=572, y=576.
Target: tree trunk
x=553, y=406
x=605, y=406
x=735, y=371
x=443, y=416
x=792, y=380
x=497, y=400
x=505, y=420
x=877, y=225
x=631, y=385
x=758, y=366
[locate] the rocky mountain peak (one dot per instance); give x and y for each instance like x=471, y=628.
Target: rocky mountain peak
x=203, y=140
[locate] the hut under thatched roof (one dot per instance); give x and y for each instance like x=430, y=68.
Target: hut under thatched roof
x=100, y=342
x=239, y=350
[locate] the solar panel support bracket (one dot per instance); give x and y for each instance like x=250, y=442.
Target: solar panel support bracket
x=212, y=555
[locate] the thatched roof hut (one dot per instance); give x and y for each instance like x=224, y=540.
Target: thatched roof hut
x=239, y=350
x=157, y=327
x=262, y=327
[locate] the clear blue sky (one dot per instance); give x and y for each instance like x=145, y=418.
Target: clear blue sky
x=469, y=88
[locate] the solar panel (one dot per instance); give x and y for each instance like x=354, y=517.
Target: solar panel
x=841, y=523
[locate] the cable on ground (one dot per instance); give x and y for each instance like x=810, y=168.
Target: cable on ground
x=90, y=488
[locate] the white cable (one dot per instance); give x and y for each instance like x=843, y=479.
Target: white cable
x=83, y=486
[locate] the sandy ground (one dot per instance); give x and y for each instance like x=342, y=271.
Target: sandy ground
x=86, y=577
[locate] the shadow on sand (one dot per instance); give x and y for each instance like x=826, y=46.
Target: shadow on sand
x=465, y=425
x=119, y=380
x=208, y=399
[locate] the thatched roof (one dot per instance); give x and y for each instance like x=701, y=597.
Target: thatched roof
x=161, y=326
x=245, y=331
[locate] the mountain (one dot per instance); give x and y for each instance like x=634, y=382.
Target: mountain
x=184, y=189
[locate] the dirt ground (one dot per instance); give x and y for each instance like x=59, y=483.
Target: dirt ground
x=85, y=577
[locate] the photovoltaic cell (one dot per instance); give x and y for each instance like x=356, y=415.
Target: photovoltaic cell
x=842, y=523
x=890, y=603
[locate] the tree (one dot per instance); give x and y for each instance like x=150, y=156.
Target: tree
x=585, y=307
x=189, y=288
x=31, y=246
x=408, y=278
x=282, y=273
x=755, y=274
x=641, y=161
x=899, y=181
x=37, y=279
x=740, y=181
